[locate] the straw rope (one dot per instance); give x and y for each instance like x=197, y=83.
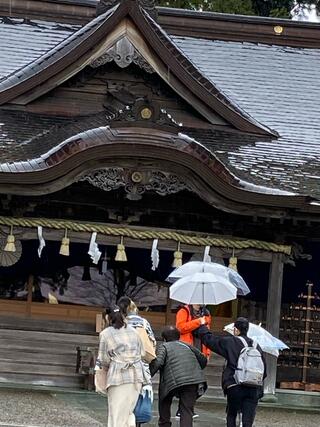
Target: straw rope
x=194, y=239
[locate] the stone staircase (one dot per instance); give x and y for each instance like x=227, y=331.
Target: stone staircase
x=213, y=373
x=30, y=357
x=45, y=354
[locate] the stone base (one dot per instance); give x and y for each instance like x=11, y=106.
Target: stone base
x=269, y=398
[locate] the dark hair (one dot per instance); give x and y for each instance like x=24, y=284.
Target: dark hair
x=170, y=333
x=203, y=311
x=115, y=316
x=124, y=303
x=242, y=324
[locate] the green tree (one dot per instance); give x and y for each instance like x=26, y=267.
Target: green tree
x=274, y=8
x=243, y=7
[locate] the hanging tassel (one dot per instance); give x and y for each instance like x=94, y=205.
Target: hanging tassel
x=93, y=251
x=52, y=299
x=177, y=257
x=121, y=252
x=104, y=266
x=206, y=254
x=42, y=242
x=233, y=262
x=155, y=255
x=64, y=248
x=10, y=245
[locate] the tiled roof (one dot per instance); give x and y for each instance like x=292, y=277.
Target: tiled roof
x=278, y=86
x=22, y=42
x=50, y=54
x=25, y=137
x=26, y=140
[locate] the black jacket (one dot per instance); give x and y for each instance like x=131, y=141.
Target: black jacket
x=228, y=347
x=180, y=364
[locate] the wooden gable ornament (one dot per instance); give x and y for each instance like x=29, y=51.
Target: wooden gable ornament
x=145, y=113
x=148, y=5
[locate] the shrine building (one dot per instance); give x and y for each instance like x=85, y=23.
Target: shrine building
x=155, y=127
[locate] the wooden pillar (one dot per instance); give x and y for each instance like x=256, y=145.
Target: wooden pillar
x=273, y=319
x=168, y=308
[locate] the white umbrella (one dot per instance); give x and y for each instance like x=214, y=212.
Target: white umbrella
x=267, y=342
x=203, y=288
x=210, y=267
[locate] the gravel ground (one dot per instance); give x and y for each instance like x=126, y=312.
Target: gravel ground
x=45, y=409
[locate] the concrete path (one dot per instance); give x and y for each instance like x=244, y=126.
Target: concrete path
x=48, y=409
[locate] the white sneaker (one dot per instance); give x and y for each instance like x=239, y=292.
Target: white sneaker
x=193, y=416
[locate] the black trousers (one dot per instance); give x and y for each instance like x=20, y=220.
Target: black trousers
x=241, y=399
x=187, y=396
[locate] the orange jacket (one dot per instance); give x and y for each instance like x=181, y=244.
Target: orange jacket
x=186, y=325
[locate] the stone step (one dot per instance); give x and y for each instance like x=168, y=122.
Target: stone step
x=50, y=337
x=42, y=358
x=216, y=360
x=74, y=381
x=29, y=324
x=37, y=347
x=36, y=368
x=49, y=358
x=212, y=393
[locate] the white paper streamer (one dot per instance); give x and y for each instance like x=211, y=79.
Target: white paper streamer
x=42, y=242
x=155, y=258
x=206, y=256
x=93, y=251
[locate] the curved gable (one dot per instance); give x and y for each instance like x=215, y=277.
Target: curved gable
x=130, y=21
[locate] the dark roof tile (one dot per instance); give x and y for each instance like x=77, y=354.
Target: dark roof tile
x=49, y=53
x=22, y=42
x=278, y=87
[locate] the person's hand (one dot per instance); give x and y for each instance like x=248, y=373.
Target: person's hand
x=202, y=330
x=203, y=321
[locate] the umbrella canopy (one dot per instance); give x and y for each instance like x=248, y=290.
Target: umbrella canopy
x=267, y=342
x=210, y=267
x=203, y=288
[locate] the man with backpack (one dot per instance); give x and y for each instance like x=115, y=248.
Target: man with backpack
x=245, y=370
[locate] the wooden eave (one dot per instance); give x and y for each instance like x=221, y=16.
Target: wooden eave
x=255, y=29
x=103, y=147
x=209, y=25
x=62, y=66
x=70, y=12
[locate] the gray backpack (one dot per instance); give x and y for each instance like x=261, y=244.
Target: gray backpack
x=250, y=366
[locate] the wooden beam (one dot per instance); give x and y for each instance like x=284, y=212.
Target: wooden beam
x=165, y=245
x=273, y=319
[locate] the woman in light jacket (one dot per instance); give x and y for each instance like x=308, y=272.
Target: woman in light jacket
x=120, y=352
x=131, y=313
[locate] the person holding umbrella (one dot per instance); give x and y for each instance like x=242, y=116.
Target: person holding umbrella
x=195, y=291
x=188, y=319
x=241, y=397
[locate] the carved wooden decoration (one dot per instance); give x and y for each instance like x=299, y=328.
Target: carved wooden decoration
x=136, y=183
x=148, y=5
x=123, y=54
x=143, y=112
